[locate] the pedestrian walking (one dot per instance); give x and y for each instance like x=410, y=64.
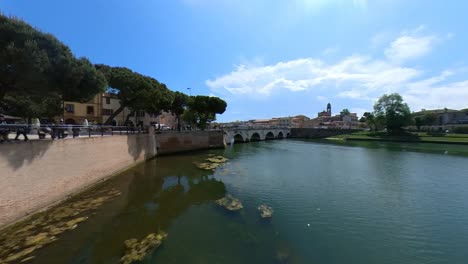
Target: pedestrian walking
x=61, y=129
x=4, y=131
x=22, y=130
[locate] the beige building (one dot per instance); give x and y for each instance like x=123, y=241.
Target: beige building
x=325, y=119
x=76, y=112
x=445, y=116
x=102, y=106
x=110, y=104
x=299, y=121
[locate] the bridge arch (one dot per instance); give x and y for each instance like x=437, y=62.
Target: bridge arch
x=238, y=138
x=255, y=137
x=280, y=135
x=269, y=136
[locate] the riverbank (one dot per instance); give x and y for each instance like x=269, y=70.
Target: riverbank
x=458, y=139
x=39, y=174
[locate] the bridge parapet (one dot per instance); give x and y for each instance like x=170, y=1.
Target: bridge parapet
x=246, y=134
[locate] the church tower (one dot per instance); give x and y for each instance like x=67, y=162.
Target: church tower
x=329, y=109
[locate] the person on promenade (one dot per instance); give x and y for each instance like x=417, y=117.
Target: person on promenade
x=4, y=131
x=48, y=130
x=61, y=129
x=22, y=130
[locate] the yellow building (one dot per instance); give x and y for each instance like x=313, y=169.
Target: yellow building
x=76, y=112
x=111, y=103
x=102, y=106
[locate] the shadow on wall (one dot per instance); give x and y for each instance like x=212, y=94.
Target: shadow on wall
x=19, y=154
x=142, y=143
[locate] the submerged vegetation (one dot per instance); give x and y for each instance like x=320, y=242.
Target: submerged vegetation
x=230, y=203
x=137, y=250
x=20, y=241
x=265, y=211
x=212, y=163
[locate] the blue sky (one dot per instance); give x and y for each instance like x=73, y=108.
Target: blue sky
x=270, y=58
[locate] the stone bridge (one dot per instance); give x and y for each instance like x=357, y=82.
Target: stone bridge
x=239, y=135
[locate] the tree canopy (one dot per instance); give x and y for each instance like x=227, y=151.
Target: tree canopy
x=136, y=91
x=345, y=112
x=35, y=65
x=418, y=122
x=393, y=112
x=369, y=118
x=429, y=119
x=203, y=109
x=179, y=105
x=38, y=73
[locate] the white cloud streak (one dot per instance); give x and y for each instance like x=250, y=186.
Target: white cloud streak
x=356, y=77
x=304, y=74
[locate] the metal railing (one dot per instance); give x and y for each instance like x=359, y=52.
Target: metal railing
x=64, y=131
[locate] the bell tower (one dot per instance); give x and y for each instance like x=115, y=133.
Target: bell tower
x=329, y=108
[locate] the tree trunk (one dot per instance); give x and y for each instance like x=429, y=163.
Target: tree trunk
x=128, y=117
x=114, y=114
x=178, y=123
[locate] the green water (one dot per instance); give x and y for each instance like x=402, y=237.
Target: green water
x=334, y=202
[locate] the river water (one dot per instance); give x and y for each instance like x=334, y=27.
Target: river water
x=333, y=203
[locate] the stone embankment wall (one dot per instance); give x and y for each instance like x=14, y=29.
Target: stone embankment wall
x=318, y=133
x=173, y=142
x=37, y=174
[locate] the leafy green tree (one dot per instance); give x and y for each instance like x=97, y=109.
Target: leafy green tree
x=418, y=121
x=179, y=104
x=136, y=91
x=345, y=112
x=36, y=65
x=28, y=107
x=429, y=119
x=370, y=120
x=203, y=109
x=393, y=112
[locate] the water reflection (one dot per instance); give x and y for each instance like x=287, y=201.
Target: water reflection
x=332, y=202
x=152, y=196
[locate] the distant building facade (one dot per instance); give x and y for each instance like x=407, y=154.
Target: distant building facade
x=76, y=112
x=103, y=105
x=445, y=116
x=325, y=119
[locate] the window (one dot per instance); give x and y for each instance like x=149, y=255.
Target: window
x=107, y=112
x=141, y=113
x=70, y=108
x=90, y=110
x=107, y=100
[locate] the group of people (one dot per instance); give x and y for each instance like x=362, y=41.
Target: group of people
x=5, y=131
x=55, y=131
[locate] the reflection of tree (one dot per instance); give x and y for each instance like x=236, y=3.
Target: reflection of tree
x=173, y=201
x=151, y=206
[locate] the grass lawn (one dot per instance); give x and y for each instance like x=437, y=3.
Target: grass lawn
x=407, y=137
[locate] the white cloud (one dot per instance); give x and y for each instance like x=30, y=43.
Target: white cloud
x=359, y=73
x=411, y=45
x=330, y=51
x=322, y=98
x=355, y=77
